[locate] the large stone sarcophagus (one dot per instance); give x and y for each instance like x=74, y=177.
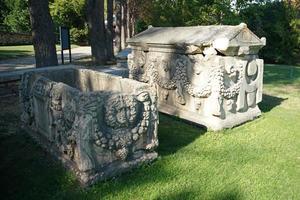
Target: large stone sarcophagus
x=97, y=124
x=210, y=75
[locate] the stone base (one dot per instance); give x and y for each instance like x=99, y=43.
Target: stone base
x=211, y=122
x=88, y=178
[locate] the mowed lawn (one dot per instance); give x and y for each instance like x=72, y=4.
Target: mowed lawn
x=257, y=160
x=10, y=52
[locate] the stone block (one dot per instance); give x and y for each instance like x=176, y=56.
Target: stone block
x=97, y=124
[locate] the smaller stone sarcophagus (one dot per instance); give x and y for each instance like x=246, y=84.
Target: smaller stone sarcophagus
x=99, y=125
x=210, y=75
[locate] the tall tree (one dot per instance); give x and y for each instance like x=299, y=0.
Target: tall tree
x=133, y=9
x=118, y=11
x=43, y=36
x=122, y=21
x=95, y=19
x=110, y=30
x=124, y=24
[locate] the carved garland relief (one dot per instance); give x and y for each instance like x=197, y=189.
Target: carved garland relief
x=113, y=122
x=224, y=82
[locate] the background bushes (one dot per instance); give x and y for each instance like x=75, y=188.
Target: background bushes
x=277, y=20
x=7, y=38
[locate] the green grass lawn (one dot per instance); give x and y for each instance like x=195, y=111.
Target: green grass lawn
x=257, y=160
x=9, y=52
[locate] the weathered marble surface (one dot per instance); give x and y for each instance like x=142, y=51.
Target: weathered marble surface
x=210, y=75
x=98, y=125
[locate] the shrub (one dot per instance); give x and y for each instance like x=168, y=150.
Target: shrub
x=79, y=36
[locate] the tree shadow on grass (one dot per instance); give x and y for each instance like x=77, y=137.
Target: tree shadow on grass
x=191, y=194
x=281, y=74
x=177, y=195
x=175, y=133
x=26, y=170
x=11, y=54
x=228, y=195
x=269, y=102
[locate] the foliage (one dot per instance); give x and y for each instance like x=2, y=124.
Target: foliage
x=16, y=17
x=295, y=26
x=257, y=160
x=79, y=36
x=68, y=13
x=3, y=12
x=187, y=12
x=276, y=20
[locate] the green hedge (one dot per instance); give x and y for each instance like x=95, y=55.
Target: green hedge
x=15, y=38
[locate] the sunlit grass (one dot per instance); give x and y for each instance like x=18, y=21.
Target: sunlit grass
x=257, y=160
x=9, y=52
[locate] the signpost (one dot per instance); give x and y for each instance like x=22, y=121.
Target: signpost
x=65, y=43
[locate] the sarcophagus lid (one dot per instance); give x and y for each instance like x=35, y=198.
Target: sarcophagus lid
x=227, y=40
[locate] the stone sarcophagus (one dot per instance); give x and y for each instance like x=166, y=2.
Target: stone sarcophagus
x=97, y=124
x=210, y=75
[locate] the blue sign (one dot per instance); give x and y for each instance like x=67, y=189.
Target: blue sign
x=64, y=38
x=65, y=43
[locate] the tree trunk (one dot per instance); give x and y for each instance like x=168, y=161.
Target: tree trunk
x=133, y=21
x=128, y=32
x=110, y=30
x=95, y=20
x=118, y=29
x=43, y=36
x=132, y=15
x=124, y=24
